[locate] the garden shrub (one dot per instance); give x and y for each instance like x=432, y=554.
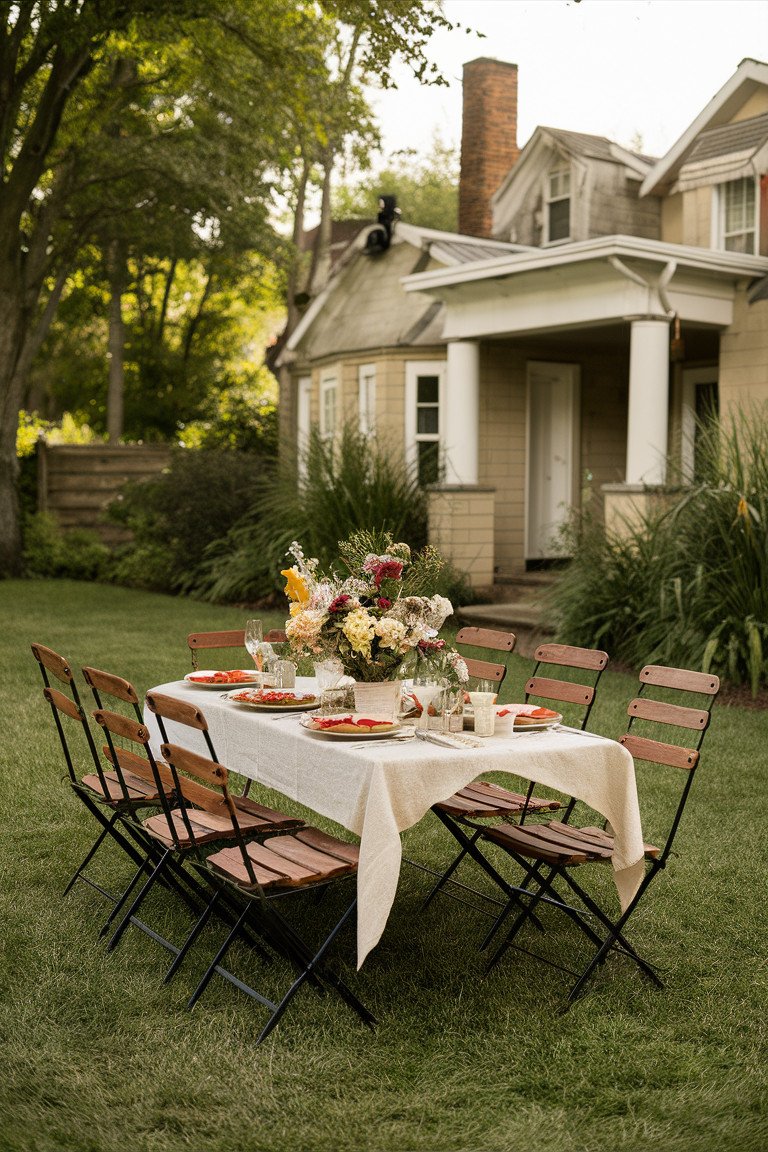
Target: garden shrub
x=342, y=487
x=687, y=585
x=174, y=516
x=50, y=551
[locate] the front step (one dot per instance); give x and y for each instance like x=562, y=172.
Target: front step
x=516, y=606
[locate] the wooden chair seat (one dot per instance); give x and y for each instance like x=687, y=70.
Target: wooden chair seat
x=558, y=843
x=212, y=823
x=483, y=799
x=300, y=859
x=139, y=791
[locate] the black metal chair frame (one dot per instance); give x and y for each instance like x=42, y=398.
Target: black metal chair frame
x=581, y=695
x=258, y=913
x=169, y=862
x=545, y=873
x=107, y=814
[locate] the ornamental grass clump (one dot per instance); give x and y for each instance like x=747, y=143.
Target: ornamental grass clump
x=688, y=583
x=372, y=610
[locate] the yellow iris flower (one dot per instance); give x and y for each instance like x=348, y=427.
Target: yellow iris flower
x=295, y=585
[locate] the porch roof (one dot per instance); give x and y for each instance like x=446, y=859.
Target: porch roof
x=607, y=280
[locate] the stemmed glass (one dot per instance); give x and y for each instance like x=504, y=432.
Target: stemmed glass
x=254, y=635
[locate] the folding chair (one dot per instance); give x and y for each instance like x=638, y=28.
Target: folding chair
x=260, y=872
x=492, y=639
x=234, y=638
x=551, y=853
x=200, y=818
x=481, y=800
x=108, y=794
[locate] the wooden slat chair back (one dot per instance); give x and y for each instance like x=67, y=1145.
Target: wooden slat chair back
x=232, y=638
x=260, y=870
x=481, y=800
x=170, y=709
x=200, y=816
x=102, y=793
x=496, y=641
x=661, y=733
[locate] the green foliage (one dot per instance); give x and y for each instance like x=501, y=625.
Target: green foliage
x=75, y=554
x=342, y=487
x=174, y=516
x=688, y=584
x=426, y=187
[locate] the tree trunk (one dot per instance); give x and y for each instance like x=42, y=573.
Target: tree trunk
x=12, y=331
x=116, y=343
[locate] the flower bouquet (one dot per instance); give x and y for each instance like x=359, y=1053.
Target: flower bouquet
x=374, y=613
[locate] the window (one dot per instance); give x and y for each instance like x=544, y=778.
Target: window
x=558, y=205
x=328, y=406
x=424, y=396
x=737, y=215
x=366, y=383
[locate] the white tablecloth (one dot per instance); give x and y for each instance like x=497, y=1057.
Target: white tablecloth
x=376, y=790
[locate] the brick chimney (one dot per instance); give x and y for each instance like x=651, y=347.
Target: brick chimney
x=488, y=139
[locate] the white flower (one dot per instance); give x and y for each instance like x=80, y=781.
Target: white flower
x=440, y=610
x=359, y=628
x=392, y=634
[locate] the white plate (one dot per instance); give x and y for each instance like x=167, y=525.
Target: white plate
x=303, y=702
x=222, y=686
x=535, y=726
x=363, y=734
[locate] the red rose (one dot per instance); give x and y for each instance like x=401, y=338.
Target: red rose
x=383, y=603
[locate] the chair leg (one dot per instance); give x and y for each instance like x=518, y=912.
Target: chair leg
x=134, y=907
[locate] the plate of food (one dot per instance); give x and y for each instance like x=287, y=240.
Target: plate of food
x=274, y=699
x=350, y=726
x=233, y=678
x=518, y=718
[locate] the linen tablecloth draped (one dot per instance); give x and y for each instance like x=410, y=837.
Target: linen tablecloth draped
x=377, y=790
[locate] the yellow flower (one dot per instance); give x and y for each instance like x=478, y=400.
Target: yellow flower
x=295, y=585
x=742, y=509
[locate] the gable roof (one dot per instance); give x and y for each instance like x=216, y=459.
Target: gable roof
x=748, y=77
x=447, y=249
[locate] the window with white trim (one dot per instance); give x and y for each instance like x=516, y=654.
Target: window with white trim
x=425, y=400
x=329, y=405
x=366, y=399
x=737, y=216
x=558, y=211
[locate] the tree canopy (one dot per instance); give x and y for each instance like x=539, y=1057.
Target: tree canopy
x=138, y=137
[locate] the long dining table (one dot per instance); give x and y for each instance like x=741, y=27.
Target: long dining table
x=378, y=788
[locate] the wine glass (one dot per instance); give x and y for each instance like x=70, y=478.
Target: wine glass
x=254, y=635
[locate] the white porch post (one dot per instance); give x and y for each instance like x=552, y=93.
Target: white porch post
x=648, y=402
x=461, y=413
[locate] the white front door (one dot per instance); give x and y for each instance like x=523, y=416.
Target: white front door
x=552, y=454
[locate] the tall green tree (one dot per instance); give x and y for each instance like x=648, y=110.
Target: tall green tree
x=104, y=123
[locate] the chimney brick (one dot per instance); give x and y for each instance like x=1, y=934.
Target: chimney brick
x=488, y=139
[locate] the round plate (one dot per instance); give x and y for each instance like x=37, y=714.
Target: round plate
x=301, y=702
x=222, y=685
x=306, y=722
x=539, y=725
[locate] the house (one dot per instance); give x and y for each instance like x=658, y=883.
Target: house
x=558, y=349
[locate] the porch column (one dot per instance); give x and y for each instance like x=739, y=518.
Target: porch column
x=461, y=416
x=648, y=402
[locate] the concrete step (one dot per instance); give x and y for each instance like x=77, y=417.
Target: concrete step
x=515, y=604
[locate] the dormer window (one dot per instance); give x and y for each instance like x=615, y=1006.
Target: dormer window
x=558, y=209
x=737, y=216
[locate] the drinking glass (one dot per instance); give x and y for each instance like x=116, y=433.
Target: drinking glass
x=425, y=692
x=328, y=673
x=254, y=635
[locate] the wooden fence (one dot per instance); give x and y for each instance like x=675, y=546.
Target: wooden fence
x=76, y=482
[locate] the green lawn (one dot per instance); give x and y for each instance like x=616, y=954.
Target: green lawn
x=99, y=1056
